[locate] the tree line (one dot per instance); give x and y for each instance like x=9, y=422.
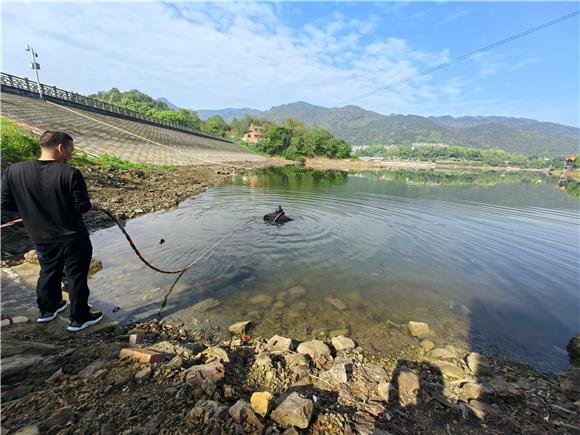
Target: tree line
x=487, y=156
x=292, y=139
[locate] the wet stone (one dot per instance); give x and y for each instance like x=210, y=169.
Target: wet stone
x=336, y=303
x=296, y=292
x=418, y=329
x=478, y=364
x=206, y=305
x=427, y=345
x=262, y=300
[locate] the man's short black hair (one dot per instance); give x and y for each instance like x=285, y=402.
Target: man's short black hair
x=50, y=139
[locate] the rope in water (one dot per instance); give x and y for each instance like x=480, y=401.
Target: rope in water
x=158, y=269
x=151, y=266
x=147, y=263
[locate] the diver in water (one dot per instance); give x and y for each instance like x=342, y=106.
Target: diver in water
x=277, y=217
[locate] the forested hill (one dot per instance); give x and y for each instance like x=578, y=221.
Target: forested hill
x=364, y=127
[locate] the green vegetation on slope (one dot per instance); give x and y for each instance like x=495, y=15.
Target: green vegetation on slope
x=18, y=145
x=143, y=103
x=293, y=140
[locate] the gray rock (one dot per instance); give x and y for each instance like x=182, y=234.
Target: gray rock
x=143, y=374
x=385, y=390
x=278, y=344
x=336, y=303
x=206, y=305
x=297, y=364
x=243, y=414
x=570, y=383
x=263, y=360
x=318, y=351
x=440, y=353
x=427, y=345
x=293, y=411
x=60, y=417
x=505, y=389
x=314, y=348
x=205, y=409
x=448, y=369
x=212, y=371
x=478, y=364
x=240, y=328
x=216, y=353
x=28, y=430
x=471, y=390
x=175, y=363
x=336, y=332
x=573, y=349
x=342, y=343
x=408, y=382
x=336, y=375
x=418, y=329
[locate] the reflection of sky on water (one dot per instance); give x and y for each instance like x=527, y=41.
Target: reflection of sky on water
x=494, y=266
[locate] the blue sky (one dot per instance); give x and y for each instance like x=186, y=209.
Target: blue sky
x=260, y=54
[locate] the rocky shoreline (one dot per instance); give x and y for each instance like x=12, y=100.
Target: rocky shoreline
x=158, y=378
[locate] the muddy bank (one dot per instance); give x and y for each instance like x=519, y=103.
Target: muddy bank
x=189, y=382
x=133, y=192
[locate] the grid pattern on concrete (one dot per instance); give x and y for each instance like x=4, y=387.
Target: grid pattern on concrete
x=99, y=134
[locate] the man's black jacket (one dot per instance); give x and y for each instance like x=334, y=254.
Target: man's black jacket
x=49, y=196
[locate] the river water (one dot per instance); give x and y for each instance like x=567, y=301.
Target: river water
x=489, y=260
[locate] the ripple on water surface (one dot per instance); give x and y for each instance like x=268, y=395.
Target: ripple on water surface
x=492, y=267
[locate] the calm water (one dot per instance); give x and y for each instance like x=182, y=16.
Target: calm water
x=490, y=261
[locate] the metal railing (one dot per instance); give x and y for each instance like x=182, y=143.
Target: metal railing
x=8, y=82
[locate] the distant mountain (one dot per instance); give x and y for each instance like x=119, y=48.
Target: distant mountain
x=169, y=103
x=227, y=114
x=363, y=127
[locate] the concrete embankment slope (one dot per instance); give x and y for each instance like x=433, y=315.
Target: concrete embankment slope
x=97, y=133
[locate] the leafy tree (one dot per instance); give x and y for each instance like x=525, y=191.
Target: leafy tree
x=215, y=125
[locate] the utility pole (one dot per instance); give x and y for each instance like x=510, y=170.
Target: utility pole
x=35, y=66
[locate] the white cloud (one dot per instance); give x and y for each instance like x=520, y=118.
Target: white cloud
x=240, y=54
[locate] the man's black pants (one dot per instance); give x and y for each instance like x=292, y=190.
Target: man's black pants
x=73, y=257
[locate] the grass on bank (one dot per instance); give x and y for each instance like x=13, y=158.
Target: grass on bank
x=17, y=144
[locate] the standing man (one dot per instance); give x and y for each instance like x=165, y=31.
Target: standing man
x=50, y=197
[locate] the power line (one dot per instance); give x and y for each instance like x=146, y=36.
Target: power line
x=466, y=56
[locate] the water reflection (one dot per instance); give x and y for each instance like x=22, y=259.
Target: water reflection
x=487, y=259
